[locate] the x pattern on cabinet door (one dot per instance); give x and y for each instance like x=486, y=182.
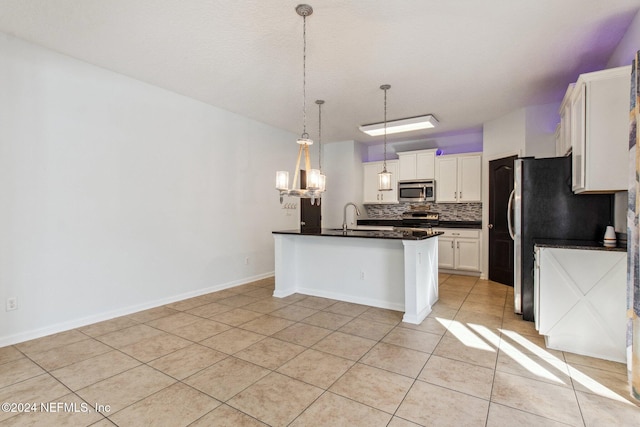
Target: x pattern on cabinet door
x=576, y=291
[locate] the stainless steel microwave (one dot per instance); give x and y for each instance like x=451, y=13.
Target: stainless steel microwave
x=417, y=191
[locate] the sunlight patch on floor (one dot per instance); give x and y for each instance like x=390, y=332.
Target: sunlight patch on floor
x=482, y=338
x=466, y=336
x=518, y=356
x=574, y=373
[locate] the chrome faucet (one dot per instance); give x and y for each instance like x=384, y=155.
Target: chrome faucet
x=344, y=216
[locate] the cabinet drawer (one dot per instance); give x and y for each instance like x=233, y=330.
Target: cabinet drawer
x=458, y=233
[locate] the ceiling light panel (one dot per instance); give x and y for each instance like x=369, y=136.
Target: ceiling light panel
x=402, y=125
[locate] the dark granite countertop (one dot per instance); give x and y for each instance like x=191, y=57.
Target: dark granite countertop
x=577, y=244
x=442, y=224
x=368, y=234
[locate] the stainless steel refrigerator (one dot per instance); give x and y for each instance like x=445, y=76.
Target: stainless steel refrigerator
x=542, y=206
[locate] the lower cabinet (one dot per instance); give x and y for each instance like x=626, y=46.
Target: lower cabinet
x=459, y=249
x=580, y=301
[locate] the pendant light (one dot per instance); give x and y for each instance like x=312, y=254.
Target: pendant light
x=384, y=177
x=315, y=179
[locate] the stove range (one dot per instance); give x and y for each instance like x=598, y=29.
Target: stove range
x=420, y=219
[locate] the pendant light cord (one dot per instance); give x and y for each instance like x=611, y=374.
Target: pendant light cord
x=384, y=166
x=304, y=77
x=320, y=135
x=384, y=177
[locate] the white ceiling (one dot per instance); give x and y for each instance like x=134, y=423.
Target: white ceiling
x=466, y=61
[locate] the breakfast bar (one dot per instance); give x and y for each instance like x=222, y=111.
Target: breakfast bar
x=397, y=270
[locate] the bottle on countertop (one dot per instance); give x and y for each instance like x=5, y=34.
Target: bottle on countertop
x=610, y=237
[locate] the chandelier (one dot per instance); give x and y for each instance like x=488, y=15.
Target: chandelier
x=315, y=180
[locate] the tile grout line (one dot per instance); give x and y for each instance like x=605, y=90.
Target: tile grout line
x=296, y=322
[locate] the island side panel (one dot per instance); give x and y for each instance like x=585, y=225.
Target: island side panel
x=421, y=278
x=285, y=258
x=359, y=270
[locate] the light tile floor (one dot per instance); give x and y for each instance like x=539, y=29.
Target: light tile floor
x=240, y=357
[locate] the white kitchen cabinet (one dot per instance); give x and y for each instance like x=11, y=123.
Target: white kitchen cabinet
x=459, y=249
x=536, y=288
x=446, y=252
x=599, y=126
x=371, y=195
x=416, y=165
x=459, y=178
x=578, y=140
x=470, y=178
x=563, y=138
x=580, y=301
x=556, y=137
x=446, y=179
x=468, y=254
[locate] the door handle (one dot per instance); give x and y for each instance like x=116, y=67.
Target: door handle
x=490, y=226
x=509, y=209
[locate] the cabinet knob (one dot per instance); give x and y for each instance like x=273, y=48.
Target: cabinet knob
x=303, y=223
x=490, y=226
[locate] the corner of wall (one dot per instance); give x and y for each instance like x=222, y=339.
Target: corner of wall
x=540, y=127
x=624, y=53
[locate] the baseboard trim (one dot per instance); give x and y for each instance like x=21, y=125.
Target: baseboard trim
x=108, y=315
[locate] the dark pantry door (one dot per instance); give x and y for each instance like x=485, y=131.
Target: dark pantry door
x=500, y=243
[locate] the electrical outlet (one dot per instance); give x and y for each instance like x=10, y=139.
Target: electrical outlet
x=361, y=275
x=12, y=303
x=246, y=261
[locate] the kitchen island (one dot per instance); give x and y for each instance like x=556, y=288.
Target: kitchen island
x=397, y=270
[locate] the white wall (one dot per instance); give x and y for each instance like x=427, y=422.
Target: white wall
x=118, y=195
x=528, y=131
x=624, y=53
x=541, y=122
x=375, y=153
x=505, y=134
x=469, y=141
x=626, y=50
x=343, y=167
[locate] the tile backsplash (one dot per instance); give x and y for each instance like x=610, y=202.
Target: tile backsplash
x=447, y=211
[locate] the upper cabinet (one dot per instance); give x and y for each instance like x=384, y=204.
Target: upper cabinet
x=599, y=126
x=417, y=165
x=563, y=133
x=459, y=178
x=370, y=191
